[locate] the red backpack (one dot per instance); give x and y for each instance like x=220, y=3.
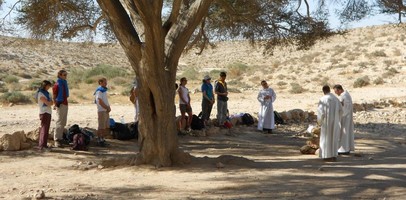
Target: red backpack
x=79, y=142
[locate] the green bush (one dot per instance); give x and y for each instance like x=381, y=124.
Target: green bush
x=34, y=85
x=191, y=73
x=107, y=71
x=361, y=82
x=3, y=88
x=380, y=53
x=14, y=97
x=378, y=81
x=10, y=79
x=296, y=88
x=236, y=69
x=281, y=83
x=25, y=75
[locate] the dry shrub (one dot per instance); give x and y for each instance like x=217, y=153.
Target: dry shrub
x=378, y=53
x=361, y=82
x=378, y=81
x=296, y=88
x=397, y=52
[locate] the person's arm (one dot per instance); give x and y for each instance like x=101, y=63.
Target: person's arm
x=45, y=101
x=102, y=104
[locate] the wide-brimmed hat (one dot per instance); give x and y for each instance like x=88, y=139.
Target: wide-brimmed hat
x=207, y=77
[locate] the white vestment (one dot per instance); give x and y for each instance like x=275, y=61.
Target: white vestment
x=329, y=113
x=347, y=124
x=265, y=116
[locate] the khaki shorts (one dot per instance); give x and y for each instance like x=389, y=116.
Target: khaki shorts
x=104, y=120
x=184, y=108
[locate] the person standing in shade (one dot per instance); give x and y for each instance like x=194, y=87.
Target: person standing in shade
x=347, y=122
x=60, y=95
x=222, y=98
x=266, y=119
x=45, y=112
x=134, y=100
x=184, y=104
x=103, y=110
x=208, y=99
x=329, y=113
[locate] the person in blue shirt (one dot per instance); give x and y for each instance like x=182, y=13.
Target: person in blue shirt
x=208, y=99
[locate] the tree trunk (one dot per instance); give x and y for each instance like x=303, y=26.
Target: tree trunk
x=158, y=138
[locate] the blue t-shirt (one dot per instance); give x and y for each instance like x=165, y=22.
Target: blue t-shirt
x=209, y=90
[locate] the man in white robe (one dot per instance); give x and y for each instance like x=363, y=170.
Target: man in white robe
x=329, y=113
x=266, y=120
x=347, y=123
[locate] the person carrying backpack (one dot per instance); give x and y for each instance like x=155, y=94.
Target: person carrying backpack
x=60, y=94
x=45, y=111
x=103, y=110
x=266, y=120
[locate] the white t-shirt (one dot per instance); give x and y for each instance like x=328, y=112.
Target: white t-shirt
x=185, y=93
x=43, y=109
x=102, y=96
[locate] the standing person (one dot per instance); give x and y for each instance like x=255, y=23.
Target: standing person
x=184, y=104
x=347, y=123
x=222, y=98
x=60, y=95
x=266, y=119
x=103, y=110
x=329, y=114
x=208, y=99
x=45, y=111
x=134, y=100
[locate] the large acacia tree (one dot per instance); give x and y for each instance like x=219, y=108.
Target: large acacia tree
x=154, y=42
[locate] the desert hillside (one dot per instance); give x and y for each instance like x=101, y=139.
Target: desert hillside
x=367, y=61
x=373, y=51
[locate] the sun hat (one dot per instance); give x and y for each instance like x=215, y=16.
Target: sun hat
x=207, y=77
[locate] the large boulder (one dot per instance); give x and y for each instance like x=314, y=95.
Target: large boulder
x=34, y=134
x=14, y=142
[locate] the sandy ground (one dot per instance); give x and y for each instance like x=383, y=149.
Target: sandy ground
x=256, y=166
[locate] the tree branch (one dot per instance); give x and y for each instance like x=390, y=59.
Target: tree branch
x=71, y=32
x=179, y=34
x=122, y=26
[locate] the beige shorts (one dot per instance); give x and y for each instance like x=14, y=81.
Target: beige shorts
x=104, y=120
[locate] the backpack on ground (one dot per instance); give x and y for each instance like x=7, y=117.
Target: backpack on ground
x=79, y=142
x=197, y=123
x=247, y=119
x=278, y=118
x=75, y=129
x=122, y=132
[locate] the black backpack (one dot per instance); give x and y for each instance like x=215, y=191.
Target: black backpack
x=75, y=129
x=247, y=119
x=278, y=118
x=197, y=123
x=122, y=131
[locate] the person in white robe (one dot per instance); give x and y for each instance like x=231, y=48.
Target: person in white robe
x=266, y=96
x=347, y=123
x=329, y=113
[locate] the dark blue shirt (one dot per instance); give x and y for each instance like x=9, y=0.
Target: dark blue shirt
x=209, y=90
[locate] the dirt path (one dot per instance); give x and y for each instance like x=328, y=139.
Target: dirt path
x=256, y=166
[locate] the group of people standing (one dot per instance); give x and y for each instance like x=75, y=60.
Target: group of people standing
x=266, y=97
x=335, y=115
x=59, y=101
x=220, y=89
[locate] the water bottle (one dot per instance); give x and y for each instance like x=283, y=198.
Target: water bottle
x=122, y=119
